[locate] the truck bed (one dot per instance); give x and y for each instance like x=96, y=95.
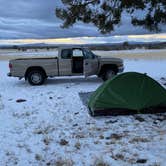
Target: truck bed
x=36, y=58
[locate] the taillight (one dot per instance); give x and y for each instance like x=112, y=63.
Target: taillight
x=10, y=65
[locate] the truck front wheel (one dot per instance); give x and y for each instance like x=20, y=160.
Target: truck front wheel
x=36, y=77
x=108, y=74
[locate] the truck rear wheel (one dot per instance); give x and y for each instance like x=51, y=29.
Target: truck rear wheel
x=36, y=77
x=108, y=74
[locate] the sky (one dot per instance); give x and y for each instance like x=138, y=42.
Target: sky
x=35, y=19
x=26, y=19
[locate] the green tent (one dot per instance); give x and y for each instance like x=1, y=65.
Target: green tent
x=127, y=93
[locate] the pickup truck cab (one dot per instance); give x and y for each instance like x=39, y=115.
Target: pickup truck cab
x=71, y=61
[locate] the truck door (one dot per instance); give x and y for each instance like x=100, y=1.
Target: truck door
x=91, y=63
x=77, y=61
x=65, y=62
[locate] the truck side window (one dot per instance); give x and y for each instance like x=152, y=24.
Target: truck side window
x=88, y=54
x=66, y=54
x=77, y=53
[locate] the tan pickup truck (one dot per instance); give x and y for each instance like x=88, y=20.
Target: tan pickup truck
x=71, y=61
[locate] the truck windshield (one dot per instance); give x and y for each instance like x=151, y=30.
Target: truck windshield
x=88, y=54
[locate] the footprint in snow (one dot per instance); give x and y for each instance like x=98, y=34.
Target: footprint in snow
x=1, y=104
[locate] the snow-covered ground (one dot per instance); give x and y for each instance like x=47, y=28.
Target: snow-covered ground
x=53, y=127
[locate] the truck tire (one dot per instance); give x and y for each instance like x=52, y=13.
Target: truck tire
x=36, y=77
x=108, y=74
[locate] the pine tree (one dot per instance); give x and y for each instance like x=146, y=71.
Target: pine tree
x=106, y=14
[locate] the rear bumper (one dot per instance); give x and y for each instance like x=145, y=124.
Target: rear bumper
x=9, y=75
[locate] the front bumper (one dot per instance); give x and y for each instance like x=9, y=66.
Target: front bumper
x=120, y=69
x=9, y=75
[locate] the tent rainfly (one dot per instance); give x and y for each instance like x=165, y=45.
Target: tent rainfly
x=128, y=93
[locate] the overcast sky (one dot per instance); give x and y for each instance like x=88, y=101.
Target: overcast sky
x=21, y=19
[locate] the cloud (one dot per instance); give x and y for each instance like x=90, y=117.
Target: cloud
x=36, y=19
x=38, y=9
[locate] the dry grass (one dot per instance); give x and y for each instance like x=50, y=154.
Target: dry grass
x=100, y=162
x=138, y=54
x=139, y=139
x=131, y=54
x=60, y=162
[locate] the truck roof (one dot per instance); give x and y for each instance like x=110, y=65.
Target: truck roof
x=70, y=47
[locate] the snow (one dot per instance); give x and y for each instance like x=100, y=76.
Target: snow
x=53, y=126
x=30, y=52
x=155, y=69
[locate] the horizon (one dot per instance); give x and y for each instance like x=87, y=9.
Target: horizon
x=89, y=40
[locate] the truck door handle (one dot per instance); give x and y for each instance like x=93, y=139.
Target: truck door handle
x=86, y=63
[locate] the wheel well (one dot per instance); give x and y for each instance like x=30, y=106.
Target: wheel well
x=34, y=68
x=106, y=67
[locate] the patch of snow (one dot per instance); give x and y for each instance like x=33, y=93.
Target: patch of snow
x=155, y=69
x=53, y=126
